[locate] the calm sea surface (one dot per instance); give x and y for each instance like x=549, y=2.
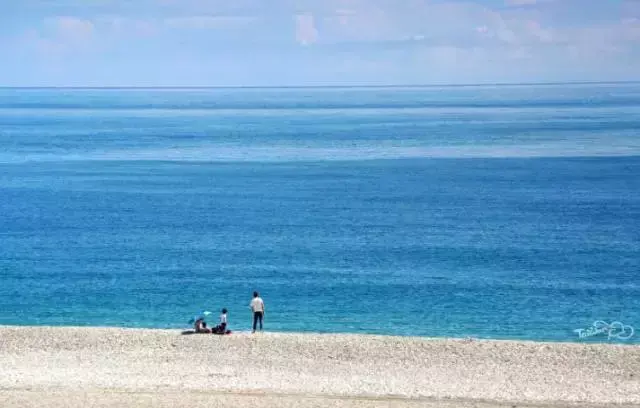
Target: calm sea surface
x=498, y=211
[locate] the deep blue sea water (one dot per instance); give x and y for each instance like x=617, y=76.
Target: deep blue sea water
x=507, y=212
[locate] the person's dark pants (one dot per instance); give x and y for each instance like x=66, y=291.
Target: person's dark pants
x=257, y=317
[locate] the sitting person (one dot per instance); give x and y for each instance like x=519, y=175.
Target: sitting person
x=200, y=326
x=222, y=327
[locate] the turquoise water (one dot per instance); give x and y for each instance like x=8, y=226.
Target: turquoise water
x=501, y=212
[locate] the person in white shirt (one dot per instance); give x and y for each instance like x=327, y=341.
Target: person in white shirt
x=257, y=307
x=222, y=327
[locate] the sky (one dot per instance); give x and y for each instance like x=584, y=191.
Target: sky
x=316, y=42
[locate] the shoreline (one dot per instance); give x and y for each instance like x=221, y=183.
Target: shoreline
x=76, y=366
x=585, y=340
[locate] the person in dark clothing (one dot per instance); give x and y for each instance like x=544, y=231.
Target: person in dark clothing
x=222, y=327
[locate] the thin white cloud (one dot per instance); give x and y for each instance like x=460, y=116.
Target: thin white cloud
x=127, y=27
x=208, y=22
x=73, y=27
x=520, y=2
x=420, y=40
x=59, y=36
x=306, y=31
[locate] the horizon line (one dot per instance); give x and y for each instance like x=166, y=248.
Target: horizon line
x=451, y=85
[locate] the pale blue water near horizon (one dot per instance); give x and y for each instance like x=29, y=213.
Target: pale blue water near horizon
x=508, y=212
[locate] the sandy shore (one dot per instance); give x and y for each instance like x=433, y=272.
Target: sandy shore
x=73, y=367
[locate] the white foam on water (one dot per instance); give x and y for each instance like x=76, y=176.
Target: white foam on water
x=587, y=145
x=305, y=153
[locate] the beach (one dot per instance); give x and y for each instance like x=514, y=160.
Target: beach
x=109, y=367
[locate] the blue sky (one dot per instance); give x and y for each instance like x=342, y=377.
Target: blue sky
x=316, y=42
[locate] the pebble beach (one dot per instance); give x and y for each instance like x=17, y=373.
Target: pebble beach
x=109, y=367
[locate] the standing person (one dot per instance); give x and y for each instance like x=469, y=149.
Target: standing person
x=257, y=307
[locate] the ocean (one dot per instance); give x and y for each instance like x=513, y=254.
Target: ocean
x=508, y=212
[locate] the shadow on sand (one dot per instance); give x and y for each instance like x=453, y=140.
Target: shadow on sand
x=188, y=332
